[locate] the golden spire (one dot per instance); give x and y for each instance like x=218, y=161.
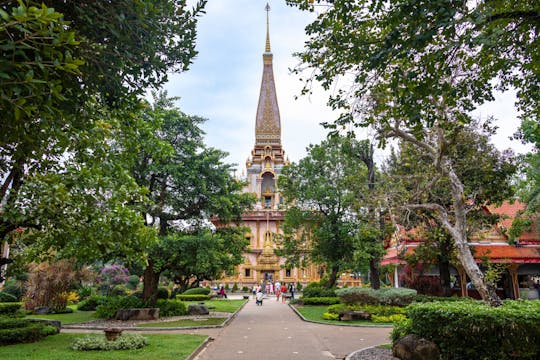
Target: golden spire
x=267, y=48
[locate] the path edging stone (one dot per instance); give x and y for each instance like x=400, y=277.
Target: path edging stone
x=324, y=323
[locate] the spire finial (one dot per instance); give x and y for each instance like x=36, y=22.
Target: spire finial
x=267, y=48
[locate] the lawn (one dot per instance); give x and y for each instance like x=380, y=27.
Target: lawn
x=69, y=318
x=315, y=313
x=185, y=322
x=163, y=347
x=222, y=305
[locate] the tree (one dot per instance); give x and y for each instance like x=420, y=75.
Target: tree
x=188, y=259
x=187, y=184
x=327, y=191
x=418, y=70
x=71, y=73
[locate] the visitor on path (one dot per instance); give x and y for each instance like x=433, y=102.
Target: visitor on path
x=283, y=292
x=278, y=291
x=259, y=297
x=222, y=293
x=291, y=290
x=254, y=290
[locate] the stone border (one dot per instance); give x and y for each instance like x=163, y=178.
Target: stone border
x=200, y=348
x=142, y=329
x=325, y=323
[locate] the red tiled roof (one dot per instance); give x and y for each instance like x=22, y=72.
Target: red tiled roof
x=509, y=211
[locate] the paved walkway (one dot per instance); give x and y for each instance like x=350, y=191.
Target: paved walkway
x=274, y=331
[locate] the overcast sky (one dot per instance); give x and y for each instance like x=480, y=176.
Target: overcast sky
x=223, y=82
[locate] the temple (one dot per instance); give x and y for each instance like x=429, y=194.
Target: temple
x=263, y=168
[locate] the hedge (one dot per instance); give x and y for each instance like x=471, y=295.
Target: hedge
x=171, y=308
x=7, y=297
x=197, y=291
x=473, y=330
x=99, y=342
x=111, y=306
x=385, y=296
x=315, y=290
x=193, y=297
x=162, y=293
x=90, y=304
x=10, y=308
x=29, y=333
x=320, y=300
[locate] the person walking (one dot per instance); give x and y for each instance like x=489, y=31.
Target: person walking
x=222, y=293
x=291, y=290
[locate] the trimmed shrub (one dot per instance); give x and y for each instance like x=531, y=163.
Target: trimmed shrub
x=14, y=289
x=337, y=308
x=12, y=323
x=90, y=304
x=30, y=332
x=245, y=289
x=320, y=300
x=330, y=316
x=427, y=298
x=193, y=297
x=473, y=330
x=99, y=342
x=84, y=292
x=132, y=282
x=235, y=287
x=10, y=308
x=118, y=290
x=197, y=291
x=314, y=290
x=7, y=297
x=385, y=296
x=162, y=293
x=171, y=308
x=396, y=318
x=111, y=306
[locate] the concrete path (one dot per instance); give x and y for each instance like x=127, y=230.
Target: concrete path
x=274, y=331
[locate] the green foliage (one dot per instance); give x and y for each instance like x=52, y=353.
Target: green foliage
x=384, y=296
x=245, y=289
x=330, y=316
x=7, y=322
x=118, y=290
x=197, y=291
x=7, y=297
x=469, y=329
x=14, y=289
x=325, y=187
x=337, y=308
x=28, y=332
x=112, y=304
x=316, y=290
x=84, y=292
x=99, y=342
x=193, y=297
x=320, y=300
x=396, y=318
x=426, y=298
x=162, y=293
x=171, y=308
x=133, y=282
x=90, y=303
x=10, y=308
x=235, y=287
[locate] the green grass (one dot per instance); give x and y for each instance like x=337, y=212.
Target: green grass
x=185, y=322
x=70, y=318
x=222, y=305
x=315, y=313
x=56, y=347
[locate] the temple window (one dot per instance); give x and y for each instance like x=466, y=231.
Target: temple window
x=247, y=272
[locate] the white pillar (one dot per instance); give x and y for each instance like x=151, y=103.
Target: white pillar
x=396, y=277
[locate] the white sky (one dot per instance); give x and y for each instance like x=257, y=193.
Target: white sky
x=223, y=83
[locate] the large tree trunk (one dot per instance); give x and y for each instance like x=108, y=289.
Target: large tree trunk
x=374, y=274
x=150, y=284
x=333, y=277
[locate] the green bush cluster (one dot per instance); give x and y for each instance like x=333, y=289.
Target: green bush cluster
x=162, y=293
x=112, y=304
x=473, y=330
x=7, y=297
x=320, y=300
x=171, y=308
x=197, y=291
x=427, y=298
x=14, y=331
x=10, y=308
x=118, y=290
x=193, y=297
x=15, y=289
x=330, y=316
x=90, y=303
x=99, y=342
x=396, y=318
x=385, y=296
x=132, y=282
x=316, y=290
